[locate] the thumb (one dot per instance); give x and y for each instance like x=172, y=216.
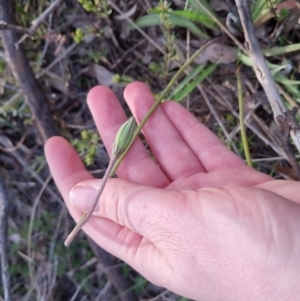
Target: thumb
x=126, y=203
x=82, y=195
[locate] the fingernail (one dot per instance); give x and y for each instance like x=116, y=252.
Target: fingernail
x=82, y=197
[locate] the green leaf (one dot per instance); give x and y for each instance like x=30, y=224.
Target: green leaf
x=196, y=70
x=291, y=86
x=186, y=14
x=283, y=79
x=195, y=7
x=262, y=7
x=191, y=86
x=147, y=20
x=153, y=20
x=281, y=50
x=274, y=69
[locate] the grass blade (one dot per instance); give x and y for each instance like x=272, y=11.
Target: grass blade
x=191, y=86
x=154, y=20
x=195, y=71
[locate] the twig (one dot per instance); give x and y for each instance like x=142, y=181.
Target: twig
x=259, y=64
x=33, y=92
x=122, y=140
x=5, y=142
x=85, y=217
x=47, y=42
x=219, y=98
x=285, y=120
x=115, y=7
x=4, y=211
x=14, y=148
x=111, y=267
x=80, y=285
x=214, y=113
x=57, y=59
x=45, y=70
x=29, y=233
x=295, y=135
x=287, y=97
x=20, y=29
x=122, y=143
x=161, y=98
x=37, y=22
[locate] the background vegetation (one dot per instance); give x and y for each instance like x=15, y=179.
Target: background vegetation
x=84, y=43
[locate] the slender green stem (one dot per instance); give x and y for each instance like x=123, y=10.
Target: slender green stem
x=241, y=117
x=281, y=50
x=116, y=161
x=85, y=217
x=160, y=98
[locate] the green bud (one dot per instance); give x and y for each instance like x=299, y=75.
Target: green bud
x=124, y=137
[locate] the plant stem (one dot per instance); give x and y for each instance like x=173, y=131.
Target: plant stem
x=116, y=161
x=85, y=217
x=161, y=97
x=241, y=115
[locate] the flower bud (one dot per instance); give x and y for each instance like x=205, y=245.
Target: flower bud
x=124, y=137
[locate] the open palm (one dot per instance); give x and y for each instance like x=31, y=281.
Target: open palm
x=198, y=220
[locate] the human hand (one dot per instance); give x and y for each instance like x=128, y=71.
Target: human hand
x=200, y=222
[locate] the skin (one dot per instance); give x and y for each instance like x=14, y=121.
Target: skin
x=200, y=222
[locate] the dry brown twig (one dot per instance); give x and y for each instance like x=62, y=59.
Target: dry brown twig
x=4, y=211
x=219, y=97
x=20, y=29
x=284, y=118
x=19, y=65
x=15, y=147
x=6, y=143
x=109, y=265
x=142, y=32
x=217, y=118
x=35, y=24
